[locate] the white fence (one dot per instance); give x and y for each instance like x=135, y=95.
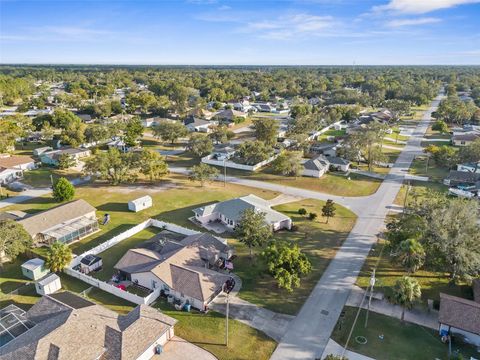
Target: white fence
x=233, y=165
x=325, y=129
x=115, y=240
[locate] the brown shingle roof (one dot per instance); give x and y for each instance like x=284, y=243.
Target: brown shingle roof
x=47, y=219
x=460, y=313
x=15, y=160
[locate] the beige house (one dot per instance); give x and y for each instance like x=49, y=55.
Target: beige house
x=65, y=223
x=12, y=167
x=185, y=269
x=316, y=167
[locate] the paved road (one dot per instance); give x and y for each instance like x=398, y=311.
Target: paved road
x=309, y=332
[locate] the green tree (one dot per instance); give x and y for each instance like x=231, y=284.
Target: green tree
x=200, y=145
x=410, y=254
x=328, y=210
x=302, y=211
x=203, y=173
x=441, y=126
x=252, y=229
x=152, y=164
x=471, y=153
x=170, y=131
x=266, y=130
x=335, y=357
x=9, y=132
x=14, y=239
x=220, y=134
x=253, y=152
x=113, y=166
x=63, y=190
x=133, y=132
x=288, y=163
x=287, y=264
x=406, y=292
x=312, y=216
x=59, y=256
x=66, y=161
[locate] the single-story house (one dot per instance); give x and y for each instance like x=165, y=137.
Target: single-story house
x=12, y=215
x=86, y=118
x=316, y=167
x=185, y=269
x=229, y=115
x=118, y=144
x=13, y=166
x=65, y=223
x=67, y=326
x=460, y=317
x=90, y=263
x=462, y=179
x=52, y=157
x=223, y=152
x=39, y=151
x=465, y=138
x=230, y=212
x=34, y=269
x=324, y=148
x=195, y=124
x=339, y=164
x=48, y=284
x=265, y=107
x=469, y=167
x=141, y=203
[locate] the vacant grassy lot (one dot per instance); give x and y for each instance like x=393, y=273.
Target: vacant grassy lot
x=318, y=240
x=208, y=332
x=420, y=189
x=435, y=172
x=387, y=273
x=42, y=177
x=401, y=341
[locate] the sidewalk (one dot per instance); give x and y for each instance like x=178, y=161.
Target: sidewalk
x=335, y=349
x=415, y=316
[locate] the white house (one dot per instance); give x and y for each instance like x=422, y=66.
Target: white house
x=90, y=263
x=465, y=138
x=12, y=167
x=230, y=212
x=194, y=124
x=48, y=284
x=316, y=167
x=140, y=204
x=339, y=164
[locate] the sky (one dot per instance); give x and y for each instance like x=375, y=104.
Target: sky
x=241, y=32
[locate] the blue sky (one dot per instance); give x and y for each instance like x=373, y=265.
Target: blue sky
x=241, y=32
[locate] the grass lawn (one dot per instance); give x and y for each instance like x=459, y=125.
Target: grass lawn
x=421, y=188
x=435, y=172
x=331, y=132
x=401, y=341
x=208, y=332
x=41, y=177
x=185, y=159
x=318, y=240
x=387, y=273
x=331, y=183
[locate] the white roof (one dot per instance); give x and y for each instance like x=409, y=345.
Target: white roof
x=48, y=279
x=141, y=199
x=33, y=264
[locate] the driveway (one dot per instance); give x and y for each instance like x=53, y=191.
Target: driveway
x=309, y=333
x=178, y=348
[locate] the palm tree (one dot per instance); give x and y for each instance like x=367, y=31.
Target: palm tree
x=58, y=257
x=406, y=292
x=410, y=254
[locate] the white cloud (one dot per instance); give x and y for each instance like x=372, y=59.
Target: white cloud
x=420, y=6
x=412, y=22
x=287, y=27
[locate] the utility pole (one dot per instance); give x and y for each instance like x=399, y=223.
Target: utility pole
x=406, y=196
x=51, y=180
x=372, y=284
x=226, y=321
x=426, y=166
x=224, y=172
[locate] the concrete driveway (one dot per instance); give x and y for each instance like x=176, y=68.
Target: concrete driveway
x=179, y=349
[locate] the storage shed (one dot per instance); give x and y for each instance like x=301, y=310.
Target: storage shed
x=140, y=204
x=48, y=284
x=90, y=263
x=34, y=269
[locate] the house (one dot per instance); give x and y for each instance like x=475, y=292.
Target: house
x=462, y=179
x=34, y=269
x=48, y=284
x=67, y=326
x=118, y=144
x=195, y=124
x=265, y=107
x=229, y=115
x=243, y=106
x=53, y=157
x=90, y=263
x=41, y=150
x=339, y=164
x=464, y=139
x=230, y=212
x=223, y=152
x=324, y=148
x=469, y=167
x=12, y=215
x=13, y=166
x=460, y=317
x=141, y=203
x=316, y=167
x=64, y=223
x=184, y=269
x=86, y=118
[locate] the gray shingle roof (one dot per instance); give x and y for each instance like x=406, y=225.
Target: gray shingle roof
x=319, y=163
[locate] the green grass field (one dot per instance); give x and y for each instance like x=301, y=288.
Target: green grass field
x=319, y=240
x=401, y=341
x=435, y=172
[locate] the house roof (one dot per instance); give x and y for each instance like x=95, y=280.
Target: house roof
x=90, y=259
x=9, y=162
x=229, y=114
x=33, y=264
x=181, y=265
x=317, y=164
x=460, y=313
x=335, y=160
x=68, y=325
x=466, y=137
x=12, y=215
x=463, y=176
x=40, y=222
x=233, y=209
x=47, y=279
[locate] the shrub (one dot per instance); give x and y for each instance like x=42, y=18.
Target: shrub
x=302, y=211
x=312, y=216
